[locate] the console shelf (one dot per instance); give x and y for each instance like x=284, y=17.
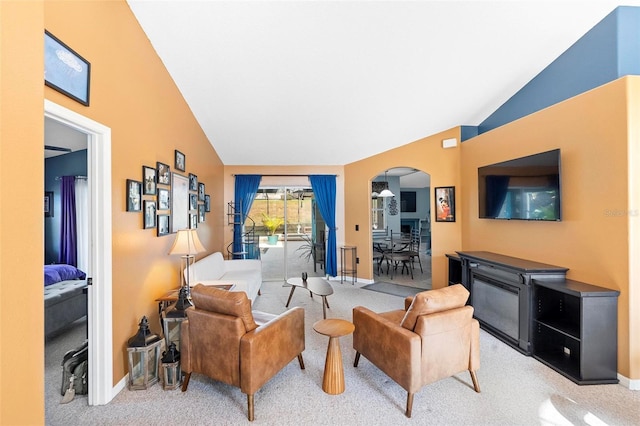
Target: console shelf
x=575, y=330
x=570, y=326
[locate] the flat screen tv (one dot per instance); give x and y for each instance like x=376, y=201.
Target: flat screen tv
x=526, y=188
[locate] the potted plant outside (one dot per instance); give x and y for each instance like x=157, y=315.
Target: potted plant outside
x=272, y=224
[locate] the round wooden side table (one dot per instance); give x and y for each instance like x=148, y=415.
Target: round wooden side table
x=333, y=380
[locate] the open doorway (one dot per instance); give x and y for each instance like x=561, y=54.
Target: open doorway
x=99, y=262
x=66, y=249
x=401, y=222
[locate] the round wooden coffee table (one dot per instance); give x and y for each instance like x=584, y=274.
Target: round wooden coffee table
x=333, y=380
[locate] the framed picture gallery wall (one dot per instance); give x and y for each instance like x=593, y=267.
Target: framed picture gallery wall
x=168, y=199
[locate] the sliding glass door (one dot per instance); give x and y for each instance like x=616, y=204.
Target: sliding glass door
x=290, y=238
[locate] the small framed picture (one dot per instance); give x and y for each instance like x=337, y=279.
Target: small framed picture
x=48, y=204
x=445, y=204
x=164, y=173
x=180, y=161
x=65, y=70
x=207, y=203
x=193, y=201
x=134, y=195
x=163, y=224
x=201, y=192
x=200, y=212
x=193, y=221
x=193, y=182
x=163, y=199
x=149, y=207
x=148, y=180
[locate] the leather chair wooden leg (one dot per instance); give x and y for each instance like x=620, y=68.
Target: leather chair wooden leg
x=409, y=404
x=474, y=379
x=357, y=360
x=185, y=382
x=301, y=361
x=250, y=407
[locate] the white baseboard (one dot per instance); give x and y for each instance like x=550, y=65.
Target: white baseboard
x=629, y=383
x=120, y=386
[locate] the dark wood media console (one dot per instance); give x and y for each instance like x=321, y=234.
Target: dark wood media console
x=567, y=325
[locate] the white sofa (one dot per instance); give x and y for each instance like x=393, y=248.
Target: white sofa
x=244, y=274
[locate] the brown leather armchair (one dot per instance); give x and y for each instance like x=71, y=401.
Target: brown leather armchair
x=221, y=340
x=434, y=337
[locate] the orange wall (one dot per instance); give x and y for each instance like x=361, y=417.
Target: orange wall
x=633, y=93
x=132, y=93
x=427, y=155
x=21, y=217
x=592, y=238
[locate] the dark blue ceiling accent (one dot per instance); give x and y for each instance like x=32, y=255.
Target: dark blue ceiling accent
x=611, y=49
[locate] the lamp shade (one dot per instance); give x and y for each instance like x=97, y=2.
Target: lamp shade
x=386, y=193
x=187, y=243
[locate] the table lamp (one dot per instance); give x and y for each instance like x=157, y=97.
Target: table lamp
x=187, y=244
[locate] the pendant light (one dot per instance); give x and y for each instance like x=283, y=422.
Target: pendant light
x=386, y=192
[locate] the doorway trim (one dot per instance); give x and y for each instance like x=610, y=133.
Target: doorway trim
x=99, y=295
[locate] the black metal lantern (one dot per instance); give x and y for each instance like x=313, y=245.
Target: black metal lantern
x=173, y=316
x=171, y=368
x=144, y=357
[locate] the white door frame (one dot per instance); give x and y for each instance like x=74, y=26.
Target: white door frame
x=99, y=312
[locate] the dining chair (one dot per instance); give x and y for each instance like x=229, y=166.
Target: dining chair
x=398, y=255
x=414, y=248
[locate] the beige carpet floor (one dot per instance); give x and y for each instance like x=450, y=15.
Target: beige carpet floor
x=516, y=390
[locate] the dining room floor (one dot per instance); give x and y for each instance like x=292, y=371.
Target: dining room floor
x=421, y=279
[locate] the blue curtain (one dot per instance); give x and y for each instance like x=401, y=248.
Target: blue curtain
x=324, y=189
x=246, y=190
x=68, y=249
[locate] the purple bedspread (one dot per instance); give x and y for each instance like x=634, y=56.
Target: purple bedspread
x=56, y=273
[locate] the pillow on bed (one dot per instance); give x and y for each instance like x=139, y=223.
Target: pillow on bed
x=57, y=273
x=51, y=276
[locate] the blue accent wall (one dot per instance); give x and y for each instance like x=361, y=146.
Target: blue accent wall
x=72, y=164
x=468, y=132
x=611, y=49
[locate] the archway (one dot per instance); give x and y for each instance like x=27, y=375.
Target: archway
x=395, y=219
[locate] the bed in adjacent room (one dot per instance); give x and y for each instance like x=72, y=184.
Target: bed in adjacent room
x=65, y=297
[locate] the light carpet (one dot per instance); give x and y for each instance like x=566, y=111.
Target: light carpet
x=393, y=289
x=516, y=390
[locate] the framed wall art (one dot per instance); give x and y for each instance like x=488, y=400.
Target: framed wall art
x=180, y=161
x=445, y=204
x=65, y=70
x=163, y=224
x=48, y=204
x=163, y=199
x=193, y=182
x=201, y=192
x=134, y=195
x=207, y=203
x=193, y=201
x=149, y=214
x=179, y=202
x=164, y=173
x=148, y=180
x=193, y=221
x=201, y=213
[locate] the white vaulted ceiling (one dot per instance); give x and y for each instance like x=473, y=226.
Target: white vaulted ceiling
x=332, y=82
